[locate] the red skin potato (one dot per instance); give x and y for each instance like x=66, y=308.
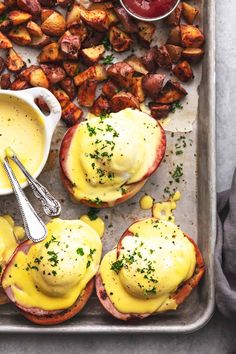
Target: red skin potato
x=179, y=295
x=134, y=188
x=43, y=317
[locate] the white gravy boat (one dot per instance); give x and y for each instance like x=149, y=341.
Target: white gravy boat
x=50, y=121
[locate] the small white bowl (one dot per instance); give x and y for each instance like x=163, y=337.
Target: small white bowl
x=50, y=121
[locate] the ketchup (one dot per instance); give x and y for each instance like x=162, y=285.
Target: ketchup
x=150, y=8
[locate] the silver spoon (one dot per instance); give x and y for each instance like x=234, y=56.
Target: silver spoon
x=51, y=205
x=34, y=226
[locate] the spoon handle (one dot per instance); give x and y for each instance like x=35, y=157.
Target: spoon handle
x=34, y=226
x=51, y=205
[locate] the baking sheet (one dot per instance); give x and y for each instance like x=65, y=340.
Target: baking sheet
x=195, y=212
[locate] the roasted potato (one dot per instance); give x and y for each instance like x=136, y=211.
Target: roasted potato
x=97, y=19
x=191, y=36
x=174, y=36
x=109, y=89
x=24, y=75
x=81, y=31
x=5, y=81
x=64, y=3
x=14, y=62
x=137, y=89
x=122, y=100
x=171, y=92
x=152, y=84
x=20, y=36
x=101, y=106
x=69, y=87
x=71, y=67
x=54, y=24
x=61, y=96
x=193, y=55
x=122, y=74
x=18, y=17
x=18, y=84
x=149, y=60
x=174, y=52
x=93, y=39
x=159, y=111
x=71, y=114
x=189, y=13
x=93, y=55
x=86, y=93
x=120, y=41
x=96, y=72
x=5, y=26
x=73, y=16
x=145, y=34
x=183, y=71
x=38, y=78
x=39, y=42
x=34, y=29
x=5, y=43
x=45, y=13
x=2, y=65
x=163, y=58
x=31, y=6
x=127, y=21
x=50, y=53
x=47, y=3
x=70, y=45
x=10, y=3
x=136, y=64
x=55, y=73
x=112, y=17
x=101, y=5
x=3, y=8
x=174, y=18
x=41, y=103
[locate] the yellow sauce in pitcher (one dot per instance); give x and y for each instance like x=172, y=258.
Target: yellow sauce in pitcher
x=22, y=129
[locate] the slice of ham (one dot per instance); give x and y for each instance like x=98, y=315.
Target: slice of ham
x=37, y=314
x=179, y=295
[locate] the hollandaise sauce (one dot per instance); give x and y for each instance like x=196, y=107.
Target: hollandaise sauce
x=151, y=265
x=22, y=129
x=52, y=274
x=10, y=235
x=110, y=153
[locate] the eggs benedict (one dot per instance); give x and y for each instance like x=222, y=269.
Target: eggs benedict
x=10, y=236
x=51, y=281
x=106, y=160
x=153, y=269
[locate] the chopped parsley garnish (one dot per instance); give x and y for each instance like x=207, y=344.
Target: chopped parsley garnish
x=53, y=258
x=80, y=251
x=54, y=273
x=175, y=106
x=123, y=190
x=3, y=18
x=91, y=130
x=106, y=43
x=53, y=239
x=92, y=213
x=96, y=201
x=117, y=266
x=151, y=291
x=178, y=172
x=88, y=264
x=108, y=59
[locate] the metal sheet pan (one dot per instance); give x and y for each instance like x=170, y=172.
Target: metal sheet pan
x=196, y=214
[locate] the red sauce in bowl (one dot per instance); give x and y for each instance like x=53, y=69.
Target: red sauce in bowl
x=150, y=8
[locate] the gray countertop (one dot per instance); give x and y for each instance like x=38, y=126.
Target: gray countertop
x=218, y=336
